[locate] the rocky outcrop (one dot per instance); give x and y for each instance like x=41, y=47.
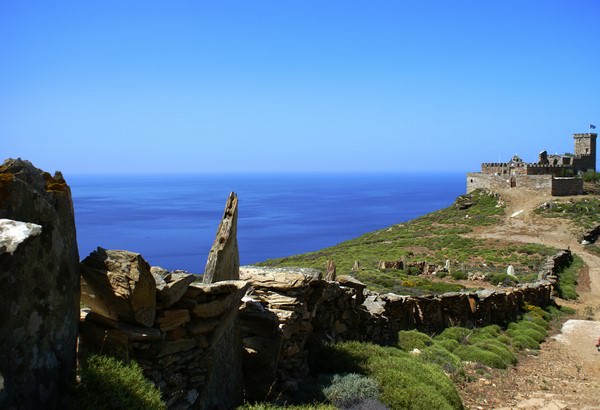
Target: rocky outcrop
x=191, y=349
x=223, y=261
x=39, y=272
x=590, y=236
x=119, y=285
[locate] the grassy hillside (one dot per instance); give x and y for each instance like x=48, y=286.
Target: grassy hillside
x=433, y=238
x=584, y=213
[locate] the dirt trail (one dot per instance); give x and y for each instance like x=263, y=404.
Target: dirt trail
x=565, y=374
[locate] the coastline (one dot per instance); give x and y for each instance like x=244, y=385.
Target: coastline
x=172, y=219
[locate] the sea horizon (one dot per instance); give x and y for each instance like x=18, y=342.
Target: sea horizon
x=172, y=219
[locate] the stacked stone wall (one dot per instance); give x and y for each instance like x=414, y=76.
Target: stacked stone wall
x=495, y=168
x=191, y=349
x=567, y=186
x=543, y=169
x=477, y=180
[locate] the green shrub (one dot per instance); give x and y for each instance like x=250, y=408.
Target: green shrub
x=472, y=353
x=499, y=349
x=591, y=176
x=405, y=381
x=521, y=341
x=547, y=314
x=533, y=330
x=107, y=383
x=491, y=332
x=534, y=318
x=567, y=279
x=350, y=389
x=413, y=339
x=270, y=406
x=459, y=275
x=439, y=356
x=448, y=344
x=501, y=279
x=460, y=334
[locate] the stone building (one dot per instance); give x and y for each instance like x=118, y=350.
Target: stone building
x=554, y=174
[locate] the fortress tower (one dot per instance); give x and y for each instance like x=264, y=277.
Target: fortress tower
x=585, y=152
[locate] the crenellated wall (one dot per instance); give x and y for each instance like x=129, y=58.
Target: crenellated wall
x=546, y=183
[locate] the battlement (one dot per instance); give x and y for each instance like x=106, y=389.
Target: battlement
x=494, y=164
x=546, y=174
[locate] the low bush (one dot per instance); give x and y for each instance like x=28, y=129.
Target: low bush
x=520, y=342
x=473, y=353
x=350, y=389
x=270, y=406
x=459, y=275
x=439, y=356
x=369, y=404
x=448, y=344
x=108, y=383
x=498, y=348
x=567, y=279
x=591, y=176
x=501, y=279
x=533, y=330
x=457, y=333
x=413, y=339
x=405, y=381
x=536, y=319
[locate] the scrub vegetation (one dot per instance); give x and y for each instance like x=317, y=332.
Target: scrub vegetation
x=433, y=238
x=421, y=370
x=585, y=213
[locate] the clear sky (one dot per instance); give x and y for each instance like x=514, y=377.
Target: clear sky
x=216, y=86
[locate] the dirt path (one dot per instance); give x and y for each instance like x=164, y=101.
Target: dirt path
x=565, y=373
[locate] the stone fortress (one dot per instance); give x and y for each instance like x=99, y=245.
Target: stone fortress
x=557, y=175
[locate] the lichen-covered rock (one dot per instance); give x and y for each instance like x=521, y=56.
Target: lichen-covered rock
x=39, y=272
x=119, y=285
x=13, y=233
x=223, y=261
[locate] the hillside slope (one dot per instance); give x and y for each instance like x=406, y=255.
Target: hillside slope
x=566, y=371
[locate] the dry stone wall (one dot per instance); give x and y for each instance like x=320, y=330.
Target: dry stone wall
x=184, y=334
x=567, y=186
x=212, y=345
x=39, y=272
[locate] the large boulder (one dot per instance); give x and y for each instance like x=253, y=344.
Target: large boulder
x=39, y=272
x=119, y=285
x=223, y=259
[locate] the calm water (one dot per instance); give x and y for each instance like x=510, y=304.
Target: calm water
x=172, y=220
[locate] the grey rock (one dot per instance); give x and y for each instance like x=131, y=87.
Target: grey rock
x=40, y=288
x=174, y=288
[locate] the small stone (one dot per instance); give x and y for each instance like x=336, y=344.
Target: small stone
x=213, y=308
x=172, y=318
x=175, y=288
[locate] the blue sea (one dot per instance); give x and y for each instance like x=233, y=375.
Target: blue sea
x=172, y=219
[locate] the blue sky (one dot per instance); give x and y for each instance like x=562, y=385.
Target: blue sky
x=273, y=86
